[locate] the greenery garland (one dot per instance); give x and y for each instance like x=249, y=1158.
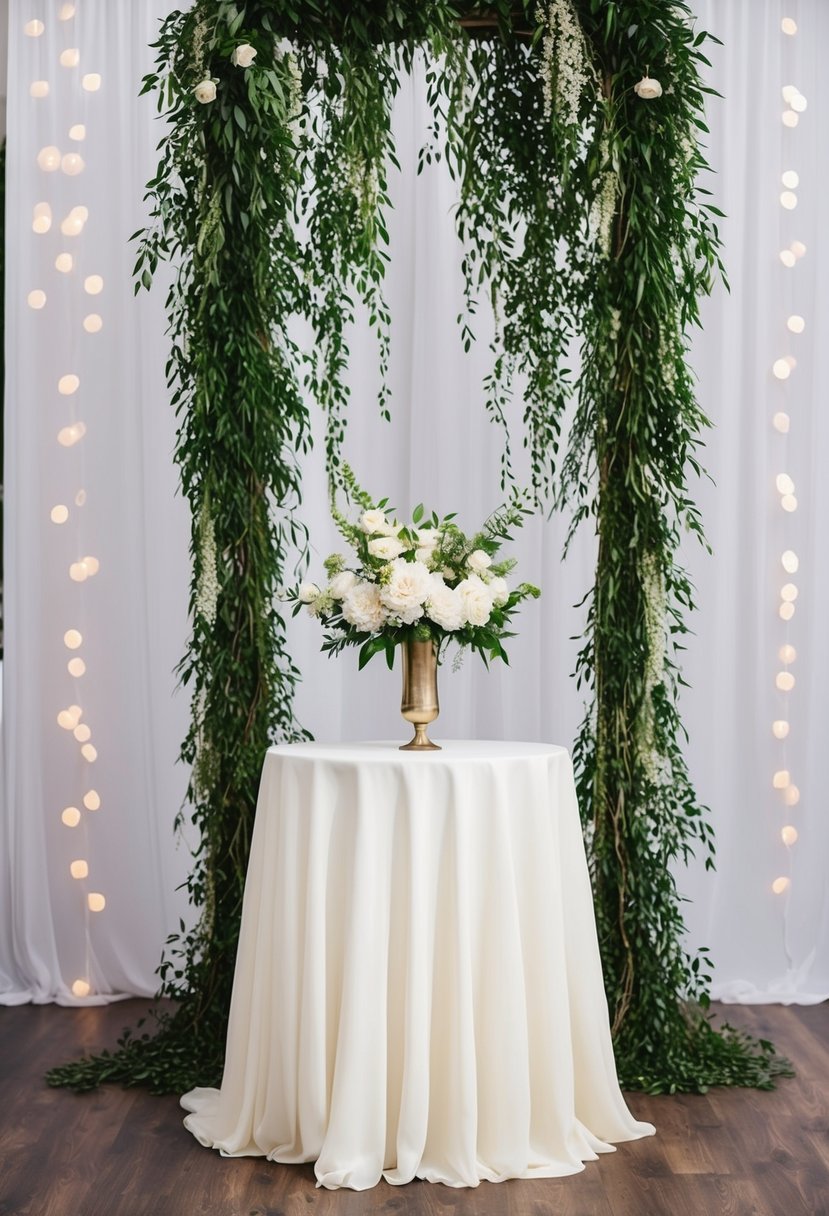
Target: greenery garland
x=580, y=216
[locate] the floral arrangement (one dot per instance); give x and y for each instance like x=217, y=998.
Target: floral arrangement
x=422, y=581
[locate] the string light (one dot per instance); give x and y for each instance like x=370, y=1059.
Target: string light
x=36, y=299
x=80, y=988
x=790, y=179
x=789, y=592
x=789, y=834
x=787, y=257
x=788, y=199
x=67, y=12
x=781, y=369
x=78, y=132
x=785, y=681
x=93, y=323
x=34, y=28
x=76, y=667
x=39, y=88
x=790, y=118
x=799, y=103
x=780, y=729
x=780, y=885
x=786, y=611
x=68, y=436
x=787, y=653
x=64, y=262
x=48, y=158
x=784, y=483
x=68, y=384
x=96, y=901
x=72, y=163
x=70, y=58
x=89, y=753
x=781, y=779
x=91, y=800
x=72, y=639
x=91, y=82
x=93, y=284
x=73, y=223
x=79, y=868
x=41, y=218
x=71, y=816
x=78, y=572
x=798, y=248
x=789, y=503
x=82, y=732
x=59, y=514
x=795, y=324
x=80, y=498
x=791, y=797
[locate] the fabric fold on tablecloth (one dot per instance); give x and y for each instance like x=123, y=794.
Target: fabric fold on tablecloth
x=418, y=990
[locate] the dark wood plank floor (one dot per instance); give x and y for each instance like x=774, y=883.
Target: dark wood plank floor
x=125, y=1153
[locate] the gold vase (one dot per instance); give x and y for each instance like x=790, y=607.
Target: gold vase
x=419, y=703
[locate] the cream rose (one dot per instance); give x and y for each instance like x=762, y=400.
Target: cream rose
x=444, y=606
x=499, y=590
x=243, y=56
x=387, y=547
x=476, y=599
x=478, y=561
x=205, y=91
x=408, y=586
x=371, y=522
x=341, y=584
x=308, y=592
x=648, y=88
x=361, y=607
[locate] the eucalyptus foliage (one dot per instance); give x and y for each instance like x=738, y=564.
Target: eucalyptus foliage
x=582, y=219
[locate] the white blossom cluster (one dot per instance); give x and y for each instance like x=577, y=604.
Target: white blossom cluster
x=412, y=584
x=565, y=63
x=603, y=210
x=207, y=588
x=653, y=594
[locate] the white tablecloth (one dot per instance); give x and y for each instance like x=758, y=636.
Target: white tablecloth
x=418, y=990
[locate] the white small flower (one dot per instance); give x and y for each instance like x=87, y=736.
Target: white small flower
x=427, y=538
x=361, y=607
x=371, y=522
x=308, y=592
x=478, y=561
x=341, y=584
x=386, y=547
x=499, y=591
x=408, y=586
x=424, y=555
x=243, y=56
x=648, y=88
x=476, y=598
x=205, y=91
x=445, y=606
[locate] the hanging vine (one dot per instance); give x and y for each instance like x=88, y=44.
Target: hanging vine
x=581, y=218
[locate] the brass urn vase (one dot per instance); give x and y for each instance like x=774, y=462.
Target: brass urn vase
x=419, y=703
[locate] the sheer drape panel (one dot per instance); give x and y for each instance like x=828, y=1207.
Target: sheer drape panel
x=116, y=485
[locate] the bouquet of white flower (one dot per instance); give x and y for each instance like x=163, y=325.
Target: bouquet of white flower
x=424, y=581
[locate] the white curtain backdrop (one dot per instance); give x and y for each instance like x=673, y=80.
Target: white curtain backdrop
x=439, y=448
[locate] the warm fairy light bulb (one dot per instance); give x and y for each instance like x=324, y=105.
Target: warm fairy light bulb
x=780, y=422
x=788, y=199
x=71, y=816
x=92, y=800
x=781, y=779
x=70, y=58
x=72, y=163
x=781, y=369
x=790, y=119
x=798, y=248
x=82, y=733
x=792, y=796
x=76, y=667
x=68, y=384
x=78, y=572
x=80, y=498
x=91, y=82
x=789, y=503
x=39, y=88
x=66, y=720
x=36, y=299
x=789, y=834
x=89, y=753
x=788, y=92
x=789, y=592
x=789, y=26
x=780, y=885
x=72, y=639
x=48, y=158
x=41, y=218
x=798, y=103
x=780, y=728
x=93, y=284
x=96, y=901
x=72, y=224
x=64, y=262
x=34, y=28
x=78, y=132
x=790, y=179
x=787, y=653
x=59, y=514
x=68, y=436
x=784, y=484
x=92, y=323
x=79, y=868
x=792, y=362
x=67, y=12
x=80, y=988
x=787, y=257
x=786, y=611
x=76, y=712
x=785, y=681
x=795, y=324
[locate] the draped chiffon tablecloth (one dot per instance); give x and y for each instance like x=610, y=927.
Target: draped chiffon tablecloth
x=418, y=991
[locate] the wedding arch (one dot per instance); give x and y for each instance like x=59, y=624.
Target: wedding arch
x=571, y=128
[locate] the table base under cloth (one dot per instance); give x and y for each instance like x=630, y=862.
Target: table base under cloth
x=418, y=990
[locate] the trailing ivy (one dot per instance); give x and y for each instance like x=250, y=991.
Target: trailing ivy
x=581, y=219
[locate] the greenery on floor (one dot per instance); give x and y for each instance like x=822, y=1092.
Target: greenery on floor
x=572, y=129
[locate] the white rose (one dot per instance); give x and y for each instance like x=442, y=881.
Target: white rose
x=341, y=584
x=476, y=599
x=361, y=607
x=424, y=555
x=372, y=521
x=386, y=547
x=444, y=606
x=427, y=538
x=243, y=56
x=648, y=88
x=499, y=590
x=478, y=561
x=408, y=586
x=308, y=592
x=205, y=91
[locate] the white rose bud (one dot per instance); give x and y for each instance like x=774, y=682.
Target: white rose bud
x=341, y=584
x=648, y=88
x=478, y=561
x=308, y=592
x=243, y=56
x=387, y=547
x=205, y=91
x=372, y=521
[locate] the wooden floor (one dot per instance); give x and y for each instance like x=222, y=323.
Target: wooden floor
x=125, y=1153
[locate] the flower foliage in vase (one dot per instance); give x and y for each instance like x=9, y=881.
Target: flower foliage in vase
x=423, y=581
x=571, y=128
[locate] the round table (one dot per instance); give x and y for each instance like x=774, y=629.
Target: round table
x=418, y=991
